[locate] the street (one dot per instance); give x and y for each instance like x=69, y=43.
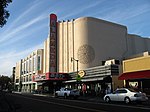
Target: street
x=31, y=103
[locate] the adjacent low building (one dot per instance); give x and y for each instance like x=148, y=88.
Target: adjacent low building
x=26, y=69
x=136, y=72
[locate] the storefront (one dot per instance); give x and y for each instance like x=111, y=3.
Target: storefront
x=136, y=72
x=50, y=82
x=95, y=80
x=138, y=80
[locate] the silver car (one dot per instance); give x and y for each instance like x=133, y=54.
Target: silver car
x=126, y=95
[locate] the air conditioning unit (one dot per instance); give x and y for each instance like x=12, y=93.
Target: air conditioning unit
x=112, y=62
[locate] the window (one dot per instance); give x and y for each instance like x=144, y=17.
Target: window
x=39, y=63
x=30, y=66
x=30, y=78
x=34, y=63
x=27, y=78
x=17, y=80
x=24, y=79
x=121, y=91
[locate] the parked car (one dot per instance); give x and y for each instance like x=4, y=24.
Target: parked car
x=67, y=92
x=126, y=95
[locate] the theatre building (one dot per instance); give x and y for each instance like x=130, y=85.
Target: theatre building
x=136, y=72
x=87, y=42
x=89, y=45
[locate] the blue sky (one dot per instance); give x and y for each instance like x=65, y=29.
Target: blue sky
x=28, y=24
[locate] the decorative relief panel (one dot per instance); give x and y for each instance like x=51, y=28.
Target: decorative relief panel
x=86, y=54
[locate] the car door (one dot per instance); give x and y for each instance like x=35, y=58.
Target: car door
x=122, y=94
x=60, y=93
x=114, y=96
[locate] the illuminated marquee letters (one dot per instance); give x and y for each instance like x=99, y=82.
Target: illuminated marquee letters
x=53, y=40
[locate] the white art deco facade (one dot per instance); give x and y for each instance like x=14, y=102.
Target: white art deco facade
x=91, y=41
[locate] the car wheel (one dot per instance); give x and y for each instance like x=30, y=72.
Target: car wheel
x=56, y=95
x=75, y=97
x=107, y=99
x=127, y=100
x=65, y=96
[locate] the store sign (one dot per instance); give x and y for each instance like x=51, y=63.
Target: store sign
x=39, y=77
x=56, y=76
x=81, y=73
x=51, y=76
x=53, y=42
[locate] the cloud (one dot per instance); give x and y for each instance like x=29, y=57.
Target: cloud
x=22, y=27
x=25, y=34
x=16, y=31
x=124, y=14
x=22, y=53
x=15, y=28
x=8, y=60
x=30, y=8
x=82, y=9
x=6, y=66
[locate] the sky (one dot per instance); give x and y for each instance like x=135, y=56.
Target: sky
x=28, y=25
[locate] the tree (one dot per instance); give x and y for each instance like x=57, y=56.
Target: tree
x=4, y=14
x=5, y=82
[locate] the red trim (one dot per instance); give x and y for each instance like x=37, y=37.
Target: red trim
x=53, y=16
x=51, y=76
x=135, y=75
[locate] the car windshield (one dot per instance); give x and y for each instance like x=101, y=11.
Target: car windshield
x=68, y=89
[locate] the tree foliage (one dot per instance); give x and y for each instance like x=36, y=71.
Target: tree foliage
x=4, y=82
x=4, y=14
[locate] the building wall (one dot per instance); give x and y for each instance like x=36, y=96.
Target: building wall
x=90, y=41
x=117, y=83
x=29, y=66
x=137, y=64
x=46, y=55
x=65, y=49
x=13, y=74
x=18, y=72
x=137, y=45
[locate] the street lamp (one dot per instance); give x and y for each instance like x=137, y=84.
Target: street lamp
x=72, y=59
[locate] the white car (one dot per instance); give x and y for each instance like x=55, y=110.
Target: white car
x=67, y=92
x=126, y=95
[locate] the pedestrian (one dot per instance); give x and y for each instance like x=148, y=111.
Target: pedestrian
x=117, y=87
x=84, y=89
x=108, y=90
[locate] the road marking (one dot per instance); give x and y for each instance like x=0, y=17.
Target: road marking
x=145, y=108
x=71, y=106
x=126, y=106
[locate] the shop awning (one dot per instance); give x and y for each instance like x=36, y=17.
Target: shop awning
x=86, y=80
x=92, y=79
x=135, y=75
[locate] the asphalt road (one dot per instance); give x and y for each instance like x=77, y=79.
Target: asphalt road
x=31, y=103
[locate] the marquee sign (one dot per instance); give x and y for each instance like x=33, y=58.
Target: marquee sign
x=53, y=42
x=57, y=76
x=51, y=76
x=39, y=77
